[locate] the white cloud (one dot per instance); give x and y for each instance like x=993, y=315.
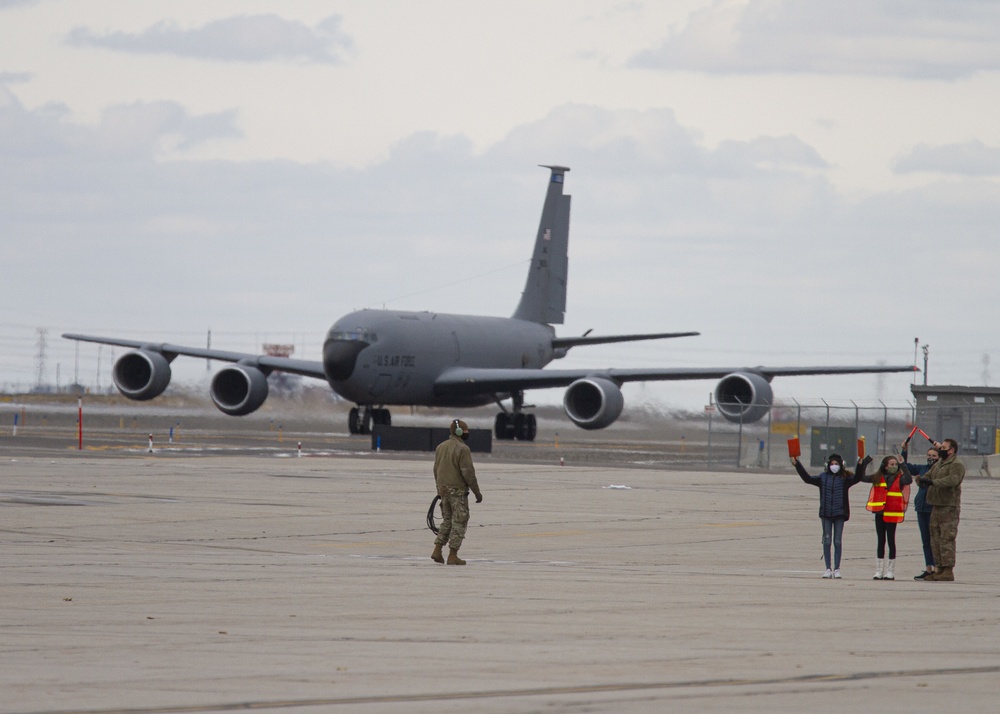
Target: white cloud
x=914, y=39
x=650, y=140
x=244, y=38
x=145, y=125
x=140, y=128
x=972, y=158
x=14, y=77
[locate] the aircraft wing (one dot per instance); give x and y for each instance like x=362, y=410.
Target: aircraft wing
x=306, y=368
x=464, y=380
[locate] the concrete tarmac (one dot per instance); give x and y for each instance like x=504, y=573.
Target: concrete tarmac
x=158, y=584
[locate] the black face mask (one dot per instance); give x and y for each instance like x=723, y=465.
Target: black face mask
x=943, y=453
x=931, y=462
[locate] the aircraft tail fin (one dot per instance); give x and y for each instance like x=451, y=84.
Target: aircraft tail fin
x=544, y=296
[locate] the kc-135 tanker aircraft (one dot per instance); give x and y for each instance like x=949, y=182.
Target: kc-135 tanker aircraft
x=380, y=358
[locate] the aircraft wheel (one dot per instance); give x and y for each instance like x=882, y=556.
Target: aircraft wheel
x=382, y=417
x=352, y=420
x=525, y=427
x=500, y=426
x=530, y=427
x=519, y=426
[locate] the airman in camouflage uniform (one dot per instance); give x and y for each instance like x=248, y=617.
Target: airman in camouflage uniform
x=945, y=495
x=455, y=476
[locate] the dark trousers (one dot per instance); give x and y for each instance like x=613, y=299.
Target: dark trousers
x=924, y=522
x=885, y=532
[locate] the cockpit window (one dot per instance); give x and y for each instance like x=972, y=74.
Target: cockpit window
x=354, y=335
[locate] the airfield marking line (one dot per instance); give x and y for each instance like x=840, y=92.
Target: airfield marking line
x=530, y=692
x=549, y=533
x=355, y=544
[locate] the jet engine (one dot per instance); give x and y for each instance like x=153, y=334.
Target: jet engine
x=239, y=390
x=141, y=375
x=743, y=397
x=593, y=402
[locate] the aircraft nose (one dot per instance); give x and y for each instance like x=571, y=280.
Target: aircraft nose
x=339, y=357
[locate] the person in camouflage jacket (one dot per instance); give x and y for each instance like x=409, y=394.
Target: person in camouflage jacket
x=455, y=476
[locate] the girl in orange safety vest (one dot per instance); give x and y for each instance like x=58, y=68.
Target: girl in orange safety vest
x=888, y=498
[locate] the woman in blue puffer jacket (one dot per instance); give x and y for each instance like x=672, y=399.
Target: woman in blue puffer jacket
x=834, y=504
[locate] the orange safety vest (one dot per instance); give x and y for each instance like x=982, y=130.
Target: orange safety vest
x=891, y=501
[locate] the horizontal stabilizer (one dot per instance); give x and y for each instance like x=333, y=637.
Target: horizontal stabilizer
x=567, y=342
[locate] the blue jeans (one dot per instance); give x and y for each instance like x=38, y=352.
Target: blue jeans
x=833, y=530
x=924, y=521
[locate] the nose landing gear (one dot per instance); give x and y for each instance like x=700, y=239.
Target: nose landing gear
x=360, y=419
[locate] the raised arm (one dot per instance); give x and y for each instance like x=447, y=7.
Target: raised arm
x=861, y=473
x=906, y=477
x=804, y=475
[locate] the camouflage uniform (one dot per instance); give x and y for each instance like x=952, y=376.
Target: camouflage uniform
x=455, y=476
x=945, y=495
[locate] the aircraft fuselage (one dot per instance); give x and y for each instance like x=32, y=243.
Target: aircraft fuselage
x=392, y=357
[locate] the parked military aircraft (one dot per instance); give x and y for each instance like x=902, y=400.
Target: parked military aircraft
x=380, y=358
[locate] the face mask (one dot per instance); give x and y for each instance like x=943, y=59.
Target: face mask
x=891, y=469
x=834, y=468
x=943, y=453
x=931, y=462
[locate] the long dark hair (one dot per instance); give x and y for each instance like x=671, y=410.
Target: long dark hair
x=882, y=467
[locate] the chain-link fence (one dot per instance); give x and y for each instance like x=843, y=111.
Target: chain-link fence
x=823, y=429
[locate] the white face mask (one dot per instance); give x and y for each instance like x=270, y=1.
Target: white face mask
x=834, y=468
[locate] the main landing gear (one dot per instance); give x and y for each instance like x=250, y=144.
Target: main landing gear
x=361, y=419
x=522, y=427
x=516, y=425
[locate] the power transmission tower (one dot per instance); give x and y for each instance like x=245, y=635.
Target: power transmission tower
x=40, y=356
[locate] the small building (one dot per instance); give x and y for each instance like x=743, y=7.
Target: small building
x=969, y=415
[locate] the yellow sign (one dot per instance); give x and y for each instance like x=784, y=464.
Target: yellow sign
x=784, y=427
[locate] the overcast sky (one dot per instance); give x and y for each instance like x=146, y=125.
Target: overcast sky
x=806, y=182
